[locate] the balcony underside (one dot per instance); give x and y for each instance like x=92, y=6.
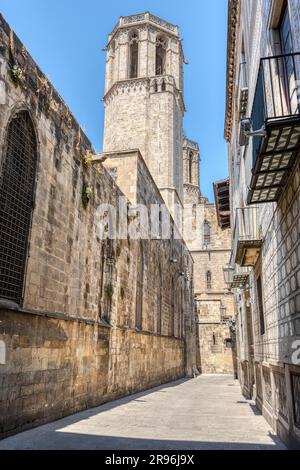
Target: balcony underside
x=247, y=252
x=240, y=281
x=276, y=155
x=222, y=198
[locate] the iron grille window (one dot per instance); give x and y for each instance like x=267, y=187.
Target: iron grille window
x=296, y=398
x=208, y=280
x=260, y=306
x=17, y=179
x=139, y=289
x=206, y=233
x=258, y=381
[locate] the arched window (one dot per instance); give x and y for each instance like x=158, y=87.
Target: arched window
x=208, y=280
x=163, y=86
x=206, y=233
x=191, y=157
x=17, y=182
x=133, y=54
x=214, y=339
x=139, y=289
x=160, y=59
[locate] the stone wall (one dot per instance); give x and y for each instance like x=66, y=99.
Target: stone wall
x=216, y=348
x=74, y=341
x=214, y=304
x=57, y=367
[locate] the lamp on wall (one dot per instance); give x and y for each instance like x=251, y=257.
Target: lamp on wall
x=232, y=325
x=228, y=271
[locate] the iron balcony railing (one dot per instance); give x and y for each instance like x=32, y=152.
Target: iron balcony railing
x=243, y=89
x=277, y=92
x=276, y=110
x=247, y=237
x=235, y=276
x=240, y=278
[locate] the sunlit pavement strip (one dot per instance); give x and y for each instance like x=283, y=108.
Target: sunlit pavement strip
x=204, y=413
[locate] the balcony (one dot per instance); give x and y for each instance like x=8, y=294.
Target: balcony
x=240, y=277
x=222, y=199
x=247, y=238
x=235, y=276
x=276, y=110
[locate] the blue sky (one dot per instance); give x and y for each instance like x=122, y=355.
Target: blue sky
x=65, y=37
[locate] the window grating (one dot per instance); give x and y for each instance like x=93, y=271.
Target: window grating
x=206, y=233
x=259, y=389
x=296, y=398
x=208, y=280
x=17, y=179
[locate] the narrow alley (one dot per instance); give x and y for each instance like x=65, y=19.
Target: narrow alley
x=207, y=413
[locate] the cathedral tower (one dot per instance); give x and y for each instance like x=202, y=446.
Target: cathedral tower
x=143, y=99
x=191, y=180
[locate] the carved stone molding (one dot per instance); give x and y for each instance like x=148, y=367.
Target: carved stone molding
x=232, y=42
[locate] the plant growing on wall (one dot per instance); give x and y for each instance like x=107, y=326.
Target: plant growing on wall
x=87, y=194
x=17, y=74
x=50, y=104
x=109, y=290
x=87, y=159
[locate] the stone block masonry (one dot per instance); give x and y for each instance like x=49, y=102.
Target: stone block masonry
x=57, y=367
x=73, y=341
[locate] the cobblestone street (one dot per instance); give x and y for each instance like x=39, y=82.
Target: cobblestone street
x=204, y=413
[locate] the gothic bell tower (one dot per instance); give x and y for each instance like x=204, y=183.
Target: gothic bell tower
x=143, y=100
x=191, y=179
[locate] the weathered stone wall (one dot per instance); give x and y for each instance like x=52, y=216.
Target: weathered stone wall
x=73, y=343
x=158, y=253
x=214, y=305
x=56, y=367
x=217, y=348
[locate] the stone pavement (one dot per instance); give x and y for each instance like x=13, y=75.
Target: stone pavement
x=208, y=412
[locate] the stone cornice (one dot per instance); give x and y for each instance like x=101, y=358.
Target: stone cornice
x=232, y=40
x=192, y=188
x=144, y=18
x=135, y=82
x=187, y=143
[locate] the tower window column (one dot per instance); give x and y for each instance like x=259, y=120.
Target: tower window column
x=160, y=61
x=133, y=54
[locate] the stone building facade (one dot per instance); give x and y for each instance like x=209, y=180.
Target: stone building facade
x=210, y=247
x=263, y=133
x=86, y=319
